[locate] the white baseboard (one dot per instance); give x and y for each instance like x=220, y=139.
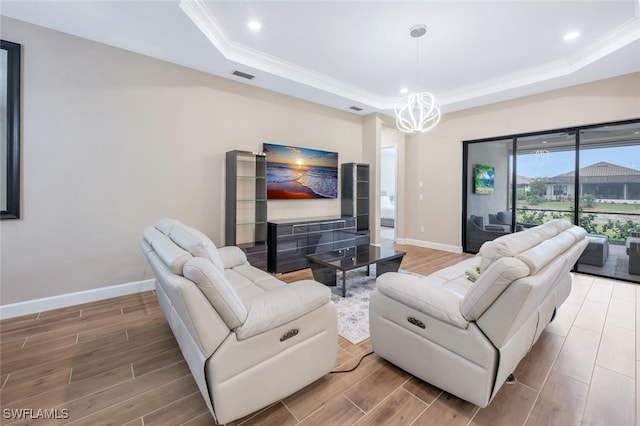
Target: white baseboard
x=431, y=245
x=63, y=300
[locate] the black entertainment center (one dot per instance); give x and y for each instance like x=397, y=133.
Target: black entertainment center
x=290, y=241
x=283, y=245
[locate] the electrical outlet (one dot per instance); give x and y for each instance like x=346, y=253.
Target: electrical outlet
x=422, y=229
x=420, y=197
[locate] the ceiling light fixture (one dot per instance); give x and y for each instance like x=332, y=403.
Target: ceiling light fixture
x=254, y=25
x=417, y=112
x=539, y=155
x=404, y=90
x=571, y=36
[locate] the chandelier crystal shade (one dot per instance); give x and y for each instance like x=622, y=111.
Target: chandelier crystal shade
x=417, y=112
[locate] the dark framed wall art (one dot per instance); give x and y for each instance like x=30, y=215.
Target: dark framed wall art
x=10, y=134
x=483, y=179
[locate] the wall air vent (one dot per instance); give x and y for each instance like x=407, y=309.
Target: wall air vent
x=243, y=75
x=355, y=108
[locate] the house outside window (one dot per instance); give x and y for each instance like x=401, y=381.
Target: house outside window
x=559, y=190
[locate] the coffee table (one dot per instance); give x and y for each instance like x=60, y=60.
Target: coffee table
x=325, y=265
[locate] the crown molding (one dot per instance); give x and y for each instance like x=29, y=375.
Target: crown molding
x=204, y=19
x=613, y=41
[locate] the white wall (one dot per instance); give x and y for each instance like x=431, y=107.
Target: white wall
x=113, y=141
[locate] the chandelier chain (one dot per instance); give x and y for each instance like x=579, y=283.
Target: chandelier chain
x=418, y=111
x=417, y=63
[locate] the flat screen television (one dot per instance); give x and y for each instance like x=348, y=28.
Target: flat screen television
x=300, y=173
x=483, y=179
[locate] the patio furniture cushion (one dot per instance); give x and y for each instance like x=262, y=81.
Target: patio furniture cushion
x=597, y=251
x=633, y=250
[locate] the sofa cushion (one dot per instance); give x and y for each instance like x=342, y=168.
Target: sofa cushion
x=232, y=256
x=247, y=285
x=518, y=242
x=252, y=273
x=456, y=271
x=579, y=233
x=559, y=224
x=191, y=240
x=428, y=295
x=504, y=217
x=492, y=282
x=539, y=256
x=172, y=255
x=213, y=284
x=282, y=305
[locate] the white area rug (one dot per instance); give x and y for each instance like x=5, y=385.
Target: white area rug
x=353, y=310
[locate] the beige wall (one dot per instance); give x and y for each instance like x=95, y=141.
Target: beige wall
x=435, y=158
x=113, y=140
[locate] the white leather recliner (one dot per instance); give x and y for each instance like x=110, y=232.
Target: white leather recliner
x=468, y=337
x=248, y=338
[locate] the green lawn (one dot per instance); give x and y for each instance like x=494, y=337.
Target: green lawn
x=617, y=230
x=568, y=205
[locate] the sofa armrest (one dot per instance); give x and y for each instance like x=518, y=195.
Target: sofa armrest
x=424, y=294
x=281, y=305
x=232, y=256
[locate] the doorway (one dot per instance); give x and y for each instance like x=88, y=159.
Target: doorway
x=388, y=197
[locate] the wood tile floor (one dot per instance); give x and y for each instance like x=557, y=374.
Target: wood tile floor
x=116, y=362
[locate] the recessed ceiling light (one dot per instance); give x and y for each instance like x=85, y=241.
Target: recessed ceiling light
x=404, y=90
x=254, y=25
x=571, y=36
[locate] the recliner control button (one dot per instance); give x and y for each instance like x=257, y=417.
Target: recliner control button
x=417, y=322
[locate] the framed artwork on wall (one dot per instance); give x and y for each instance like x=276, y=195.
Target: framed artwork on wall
x=10, y=125
x=483, y=179
x=300, y=173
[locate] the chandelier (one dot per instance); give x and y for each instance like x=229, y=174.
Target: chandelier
x=539, y=155
x=417, y=112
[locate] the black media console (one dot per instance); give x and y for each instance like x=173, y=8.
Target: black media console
x=290, y=241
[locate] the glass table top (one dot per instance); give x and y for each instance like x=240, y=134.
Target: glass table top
x=355, y=257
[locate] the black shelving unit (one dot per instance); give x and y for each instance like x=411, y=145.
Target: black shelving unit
x=246, y=204
x=355, y=196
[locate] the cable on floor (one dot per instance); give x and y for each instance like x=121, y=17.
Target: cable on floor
x=357, y=365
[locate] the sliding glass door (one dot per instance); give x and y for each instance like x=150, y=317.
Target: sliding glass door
x=545, y=165
x=589, y=175
x=488, y=201
x=609, y=200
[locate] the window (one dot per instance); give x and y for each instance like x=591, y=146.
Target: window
x=559, y=190
x=588, y=175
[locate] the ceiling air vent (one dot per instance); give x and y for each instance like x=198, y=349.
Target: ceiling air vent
x=243, y=75
x=355, y=108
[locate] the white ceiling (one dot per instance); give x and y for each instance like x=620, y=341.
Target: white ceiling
x=359, y=53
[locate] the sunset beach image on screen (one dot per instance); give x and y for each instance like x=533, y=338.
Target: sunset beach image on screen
x=300, y=173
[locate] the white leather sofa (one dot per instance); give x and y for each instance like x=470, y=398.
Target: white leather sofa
x=248, y=338
x=468, y=337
